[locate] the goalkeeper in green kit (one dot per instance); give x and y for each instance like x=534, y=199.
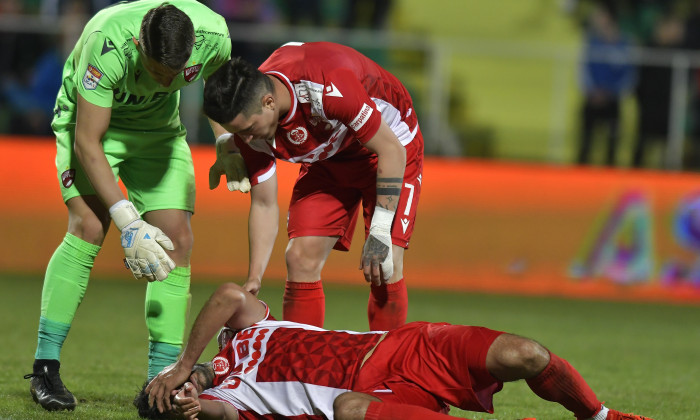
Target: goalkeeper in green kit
x=117, y=116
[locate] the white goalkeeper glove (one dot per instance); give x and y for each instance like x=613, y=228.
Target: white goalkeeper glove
x=231, y=164
x=143, y=243
x=376, y=254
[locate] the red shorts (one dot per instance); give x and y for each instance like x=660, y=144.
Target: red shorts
x=327, y=196
x=432, y=365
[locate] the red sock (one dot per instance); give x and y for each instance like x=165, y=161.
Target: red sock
x=387, y=306
x=304, y=303
x=392, y=411
x=561, y=383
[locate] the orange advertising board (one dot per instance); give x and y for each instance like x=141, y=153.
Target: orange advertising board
x=481, y=226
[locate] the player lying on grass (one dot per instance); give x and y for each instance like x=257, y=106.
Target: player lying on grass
x=279, y=369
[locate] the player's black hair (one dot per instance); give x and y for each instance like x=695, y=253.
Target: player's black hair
x=141, y=399
x=146, y=412
x=235, y=88
x=167, y=36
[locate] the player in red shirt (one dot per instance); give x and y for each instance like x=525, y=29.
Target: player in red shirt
x=269, y=369
x=352, y=127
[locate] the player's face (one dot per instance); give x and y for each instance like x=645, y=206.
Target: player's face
x=258, y=127
x=163, y=75
x=202, y=377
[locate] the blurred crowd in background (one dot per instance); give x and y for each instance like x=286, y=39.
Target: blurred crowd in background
x=31, y=74
x=610, y=31
x=616, y=26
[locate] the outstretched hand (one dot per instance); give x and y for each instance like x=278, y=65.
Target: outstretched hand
x=144, y=244
x=160, y=387
x=377, y=260
x=229, y=163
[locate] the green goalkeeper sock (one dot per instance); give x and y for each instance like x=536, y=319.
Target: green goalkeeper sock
x=160, y=355
x=167, y=305
x=51, y=337
x=64, y=287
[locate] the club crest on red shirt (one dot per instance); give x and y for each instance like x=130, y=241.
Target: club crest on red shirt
x=67, y=178
x=221, y=366
x=191, y=72
x=298, y=135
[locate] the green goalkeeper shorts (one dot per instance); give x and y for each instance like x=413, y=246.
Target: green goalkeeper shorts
x=155, y=168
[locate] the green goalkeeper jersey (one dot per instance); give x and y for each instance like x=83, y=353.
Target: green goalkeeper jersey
x=105, y=69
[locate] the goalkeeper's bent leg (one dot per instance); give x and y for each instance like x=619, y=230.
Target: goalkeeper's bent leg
x=65, y=283
x=167, y=305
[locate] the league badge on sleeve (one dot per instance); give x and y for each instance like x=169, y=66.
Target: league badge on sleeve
x=92, y=77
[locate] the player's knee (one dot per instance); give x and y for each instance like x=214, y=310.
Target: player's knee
x=228, y=295
x=182, y=240
x=533, y=357
x=513, y=357
x=88, y=228
x=350, y=406
x=301, y=262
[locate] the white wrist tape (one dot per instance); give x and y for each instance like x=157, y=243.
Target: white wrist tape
x=223, y=137
x=382, y=219
x=124, y=213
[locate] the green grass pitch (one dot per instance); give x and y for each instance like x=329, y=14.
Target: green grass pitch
x=637, y=357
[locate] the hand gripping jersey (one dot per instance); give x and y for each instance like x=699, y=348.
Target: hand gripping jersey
x=105, y=69
x=338, y=99
x=290, y=369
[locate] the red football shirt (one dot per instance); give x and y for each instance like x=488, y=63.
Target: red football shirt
x=289, y=369
x=338, y=99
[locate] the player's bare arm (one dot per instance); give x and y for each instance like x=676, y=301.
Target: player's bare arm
x=263, y=223
x=92, y=122
x=217, y=410
x=230, y=305
x=390, y=166
x=376, y=261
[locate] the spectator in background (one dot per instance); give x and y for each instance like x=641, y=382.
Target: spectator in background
x=31, y=100
x=691, y=41
x=637, y=18
x=247, y=12
x=606, y=76
x=654, y=90
x=366, y=13
x=305, y=11
x=29, y=78
x=74, y=15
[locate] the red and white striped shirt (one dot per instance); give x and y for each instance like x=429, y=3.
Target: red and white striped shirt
x=289, y=369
